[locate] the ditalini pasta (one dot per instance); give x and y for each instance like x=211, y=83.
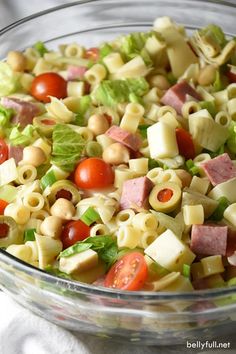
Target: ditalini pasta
x=118, y=161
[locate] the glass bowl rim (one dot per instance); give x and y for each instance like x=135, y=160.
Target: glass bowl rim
x=90, y=289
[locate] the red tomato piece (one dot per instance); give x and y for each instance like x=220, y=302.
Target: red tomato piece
x=185, y=143
x=165, y=195
x=73, y=232
x=3, y=205
x=48, y=84
x=3, y=151
x=128, y=273
x=92, y=54
x=93, y=173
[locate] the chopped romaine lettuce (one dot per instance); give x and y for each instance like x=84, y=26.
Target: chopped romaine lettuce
x=67, y=147
x=22, y=137
x=84, y=105
x=216, y=33
x=105, y=50
x=112, y=92
x=218, y=84
x=219, y=212
x=5, y=115
x=9, y=80
x=210, y=106
x=134, y=44
x=40, y=47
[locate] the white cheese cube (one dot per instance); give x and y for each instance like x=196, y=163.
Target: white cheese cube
x=170, y=252
x=8, y=172
x=193, y=214
x=79, y=262
x=162, y=141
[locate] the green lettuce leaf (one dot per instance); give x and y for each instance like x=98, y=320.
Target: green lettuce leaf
x=105, y=246
x=22, y=137
x=216, y=33
x=67, y=147
x=134, y=44
x=9, y=80
x=112, y=92
x=84, y=105
x=5, y=115
x=41, y=48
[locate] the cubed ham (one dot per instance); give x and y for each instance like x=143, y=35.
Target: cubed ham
x=209, y=240
x=76, y=72
x=177, y=95
x=16, y=152
x=124, y=137
x=135, y=193
x=231, y=242
x=220, y=169
x=25, y=111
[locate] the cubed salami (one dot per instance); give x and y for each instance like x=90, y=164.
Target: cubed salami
x=25, y=111
x=124, y=137
x=220, y=169
x=76, y=72
x=16, y=152
x=176, y=96
x=209, y=240
x=135, y=193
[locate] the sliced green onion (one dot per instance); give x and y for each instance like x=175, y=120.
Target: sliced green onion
x=93, y=149
x=143, y=130
x=8, y=193
x=218, y=84
x=186, y=270
x=29, y=235
x=193, y=169
x=210, y=106
x=219, y=212
x=135, y=99
x=105, y=50
x=89, y=216
x=40, y=47
x=48, y=180
x=170, y=77
x=152, y=164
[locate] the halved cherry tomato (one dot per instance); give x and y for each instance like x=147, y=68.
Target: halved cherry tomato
x=185, y=143
x=93, y=173
x=48, y=84
x=92, y=54
x=165, y=195
x=3, y=151
x=3, y=205
x=73, y=232
x=128, y=273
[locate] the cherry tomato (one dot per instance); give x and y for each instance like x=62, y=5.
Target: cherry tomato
x=48, y=84
x=185, y=143
x=73, y=232
x=165, y=195
x=92, y=54
x=93, y=173
x=3, y=151
x=128, y=273
x=3, y=205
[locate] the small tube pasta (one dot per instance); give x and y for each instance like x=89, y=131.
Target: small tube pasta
x=85, y=132
x=231, y=90
x=128, y=236
x=99, y=229
x=113, y=62
x=139, y=166
x=200, y=185
x=145, y=221
x=212, y=265
x=199, y=159
x=57, y=109
x=43, y=145
x=42, y=66
x=104, y=140
x=231, y=107
x=193, y=214
x=26, y=174
x=145, y=151
x=40, y=214
x=189, y=108
x=170, y=119
x=152, y=112
x=33, y=201
x=18, y=212
x=133, y=114
x=33, y=223
x=155, y=174
x=223, y=119
x=122, y=175
x=95, y=74
x=74, y=50
x=153, y=96
x=32, y=55
x=170, y=176
x=124, y=217
x=75, y=88
x=147, y=238
x=166, y=109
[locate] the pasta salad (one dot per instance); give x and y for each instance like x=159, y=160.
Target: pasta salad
x=117, y=162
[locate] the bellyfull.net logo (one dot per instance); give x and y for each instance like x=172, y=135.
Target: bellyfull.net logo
x=207, y=345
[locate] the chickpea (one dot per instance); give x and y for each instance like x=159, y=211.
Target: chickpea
x=63, y=208
x=207, y=75
x=159, y=81
x=184, y=176
x=51, y=226
x=116, y=154
x=98, y=124
x=16, y=60
x=33, y=155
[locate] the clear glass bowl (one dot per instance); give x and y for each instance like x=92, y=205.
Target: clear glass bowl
x=152, y=318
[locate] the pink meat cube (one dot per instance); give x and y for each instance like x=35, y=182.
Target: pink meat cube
x=135, y=193
x=176, y=96
x=25, y=111
x=209, y=240
x=76, y=72
x=124, y=137
x=220, y=169
x=16, y=152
